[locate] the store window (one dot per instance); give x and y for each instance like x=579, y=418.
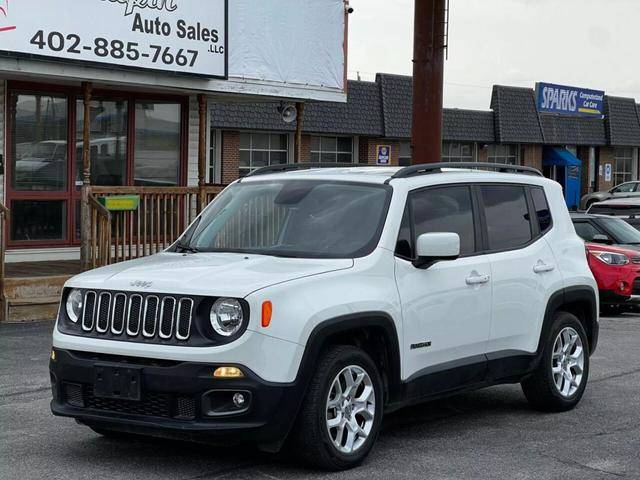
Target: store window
x=507, y=154
x=213, y=152
x=623, y=165
x=404, y=158
x=133, y=141
x=108, y=139
x=262, y=149
x=39, y=143
x=458, y=152
x=332, y=149
x=157, y=148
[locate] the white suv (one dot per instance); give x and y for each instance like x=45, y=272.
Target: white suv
x=302, y=305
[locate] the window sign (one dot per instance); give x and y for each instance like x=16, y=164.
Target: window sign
x=384, y=155
x=186, y=36
x=564, y=100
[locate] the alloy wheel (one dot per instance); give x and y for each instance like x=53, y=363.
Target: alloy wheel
x=350, y=409
x=567, y=362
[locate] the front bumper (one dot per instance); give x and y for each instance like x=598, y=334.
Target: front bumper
x=175, y=400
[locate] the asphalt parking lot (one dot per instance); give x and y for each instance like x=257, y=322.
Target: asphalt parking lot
x=487, y=434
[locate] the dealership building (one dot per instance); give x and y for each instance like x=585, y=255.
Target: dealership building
x=184, y=112
x=584, y=153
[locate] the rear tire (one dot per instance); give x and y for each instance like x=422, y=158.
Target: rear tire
x=559, y=381
x=339, y=421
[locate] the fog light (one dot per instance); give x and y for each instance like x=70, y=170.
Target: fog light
x=53, y=355
x=239, y=400
x=228, y=372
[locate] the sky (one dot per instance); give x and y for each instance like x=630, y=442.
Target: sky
x=585, y=43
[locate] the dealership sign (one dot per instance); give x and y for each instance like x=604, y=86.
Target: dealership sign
x=184, y=36
x=560, y=99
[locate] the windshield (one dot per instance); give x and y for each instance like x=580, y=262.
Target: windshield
x=309, y=219
x=621, y=231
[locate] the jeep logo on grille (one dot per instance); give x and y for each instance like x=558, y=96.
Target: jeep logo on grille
x=141, y=284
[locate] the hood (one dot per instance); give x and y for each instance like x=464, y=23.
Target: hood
x=215, y=274
x=628, y=250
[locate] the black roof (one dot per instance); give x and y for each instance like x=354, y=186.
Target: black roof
x=516, y=117
x=383, y=109
x=621, y=121
x=568, y=130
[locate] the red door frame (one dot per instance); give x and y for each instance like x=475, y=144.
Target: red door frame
x=72, y=194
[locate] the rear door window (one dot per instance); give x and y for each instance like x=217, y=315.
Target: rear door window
x=507, y=216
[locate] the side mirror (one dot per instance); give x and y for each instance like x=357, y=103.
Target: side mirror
x=435, y=247
x=600, y=238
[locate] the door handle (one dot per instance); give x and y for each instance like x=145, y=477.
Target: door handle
x=476, y=279
x=542, y=267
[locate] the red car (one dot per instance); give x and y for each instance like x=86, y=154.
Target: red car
x=617, y=271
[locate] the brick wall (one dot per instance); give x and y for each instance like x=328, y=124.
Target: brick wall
x=2, y=128
x=369, y=150
x=606, y=156
x=532, y=156
x=230, y=156
x=306, y=150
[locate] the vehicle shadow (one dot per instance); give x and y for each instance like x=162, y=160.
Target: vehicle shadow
x=435, y=419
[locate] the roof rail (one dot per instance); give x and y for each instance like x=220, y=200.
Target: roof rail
x=301, y=166
x=428, y=168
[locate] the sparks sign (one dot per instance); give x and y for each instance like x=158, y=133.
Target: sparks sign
x=564, y=100
x=183, y=36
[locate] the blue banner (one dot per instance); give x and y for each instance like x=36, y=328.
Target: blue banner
x=565, y=100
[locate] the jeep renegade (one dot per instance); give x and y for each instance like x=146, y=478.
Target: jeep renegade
x=303, y=304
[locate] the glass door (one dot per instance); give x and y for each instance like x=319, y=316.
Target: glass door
x=38, y=153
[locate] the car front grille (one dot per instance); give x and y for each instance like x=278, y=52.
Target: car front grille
x=137, y=316
x=153, y=404
x=636, y=287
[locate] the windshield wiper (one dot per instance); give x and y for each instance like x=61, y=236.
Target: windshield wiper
x=182, y=248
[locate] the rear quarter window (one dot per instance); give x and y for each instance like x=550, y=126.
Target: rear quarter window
x=541, y=206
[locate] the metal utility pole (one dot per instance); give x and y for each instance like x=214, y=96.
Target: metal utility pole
x=428, y=73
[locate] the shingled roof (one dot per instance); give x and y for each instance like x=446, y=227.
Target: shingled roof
x=468, y=126
x=396, y=92
x=569, y=130
x=383, y=109
x=360, y=115
x=516, y=115
x=621, y=121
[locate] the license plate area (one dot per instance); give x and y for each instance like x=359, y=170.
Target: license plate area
x=115, y=382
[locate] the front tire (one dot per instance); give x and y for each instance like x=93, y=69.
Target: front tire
x=559, y=381
x=341, y=413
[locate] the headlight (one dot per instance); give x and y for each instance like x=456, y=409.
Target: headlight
x=226, y=317
x=75, y=302
x=611, y=258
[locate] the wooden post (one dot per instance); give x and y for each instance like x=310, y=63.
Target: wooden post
x=428, y=68
x=299, y=120
x=85, y=232
x=202, y=152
